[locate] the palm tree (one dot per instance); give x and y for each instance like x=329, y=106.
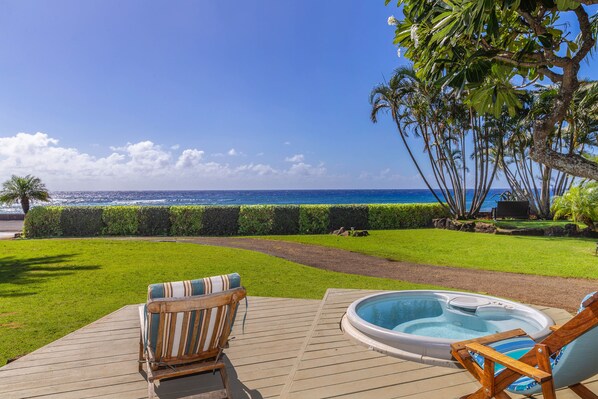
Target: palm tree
x=23, y=190
x=449, y=133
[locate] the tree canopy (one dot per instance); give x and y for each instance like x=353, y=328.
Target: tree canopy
x=493, y=51
x=23, y=190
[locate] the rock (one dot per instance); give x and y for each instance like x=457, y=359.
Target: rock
x=440, y=223
x=528, y=232
x=554, y=231
x=363, y=233
x=571, y=230
x=488, y=228
x=344, y=234
x=467, y=226
x=339, y=231
x=587, y=232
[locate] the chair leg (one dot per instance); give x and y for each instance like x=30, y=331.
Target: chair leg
x=150, y=389
x=141, y=357
x=583, y=392
x=224, y=376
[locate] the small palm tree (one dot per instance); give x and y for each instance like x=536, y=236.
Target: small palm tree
x=23, y=190
x=580, y=204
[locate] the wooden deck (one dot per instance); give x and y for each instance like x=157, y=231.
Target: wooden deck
x=291, y=348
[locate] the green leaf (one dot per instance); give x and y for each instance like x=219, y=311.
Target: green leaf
x=564, y=5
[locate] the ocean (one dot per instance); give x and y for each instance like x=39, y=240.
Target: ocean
x=243, y=197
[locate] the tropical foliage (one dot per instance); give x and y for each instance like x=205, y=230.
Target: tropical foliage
x=458, y=141
x=575, y=135
x=23, y=190
x=580, y=204
x=492, y=51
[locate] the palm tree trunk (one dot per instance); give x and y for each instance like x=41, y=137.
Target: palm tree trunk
x=25, y=204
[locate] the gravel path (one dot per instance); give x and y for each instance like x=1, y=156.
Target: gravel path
x=557, y=292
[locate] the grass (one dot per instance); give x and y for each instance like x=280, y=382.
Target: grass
x=548, y=256
x=49, y=288
x=529, y=224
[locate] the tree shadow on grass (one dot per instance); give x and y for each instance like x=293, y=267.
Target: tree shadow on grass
x=23, y=271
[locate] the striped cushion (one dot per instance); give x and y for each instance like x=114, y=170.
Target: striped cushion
x=183, y=342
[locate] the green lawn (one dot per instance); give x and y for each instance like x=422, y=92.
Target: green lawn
x=528, y=224
x=49, y=288
x=550, y=256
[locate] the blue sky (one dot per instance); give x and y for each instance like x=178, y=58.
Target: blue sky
x=198, y=94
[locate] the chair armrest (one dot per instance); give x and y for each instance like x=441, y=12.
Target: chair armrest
x=488, y=339
x=590, y=300
x=510, y=363
x=555, y=327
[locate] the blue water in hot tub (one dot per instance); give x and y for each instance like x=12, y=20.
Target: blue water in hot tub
x=432, y=317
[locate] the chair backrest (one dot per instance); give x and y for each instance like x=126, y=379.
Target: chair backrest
x=191, y=320
x=577, y=360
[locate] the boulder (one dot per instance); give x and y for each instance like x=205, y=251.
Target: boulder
x=488, y=228
x=571, y=230
x=554, y=231
x=363, y=233
x=339, y=231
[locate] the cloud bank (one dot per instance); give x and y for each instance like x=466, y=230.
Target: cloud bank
x=145, y=165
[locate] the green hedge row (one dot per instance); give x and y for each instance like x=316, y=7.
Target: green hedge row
x=223, y=220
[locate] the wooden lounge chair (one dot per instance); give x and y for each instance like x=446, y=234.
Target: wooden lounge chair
x=511, y=361
x=185, y=326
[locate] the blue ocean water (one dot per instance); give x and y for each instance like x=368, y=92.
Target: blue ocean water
x=244, y=197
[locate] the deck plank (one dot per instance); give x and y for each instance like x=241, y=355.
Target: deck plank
x=289, y=348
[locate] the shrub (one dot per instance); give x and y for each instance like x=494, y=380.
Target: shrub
x=286, y=219
x=220, y=220
x=154, y=221
x=43, y=221
x=120, y=220
x=404, y=216
x=256, y=219
x=81, y=221
x=186, y=220
x=348, y=216
x=314, y=219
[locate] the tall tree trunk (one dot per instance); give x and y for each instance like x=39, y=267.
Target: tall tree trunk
x=25, y=204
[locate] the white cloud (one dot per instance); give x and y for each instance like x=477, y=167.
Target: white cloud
x=232, y=152
x=259, y=169
x=295, y=158
x=307, y=170
x=141, y=165
x=189, y=158
x=175, y=147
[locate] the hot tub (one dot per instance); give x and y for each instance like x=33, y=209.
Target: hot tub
x=421, y=325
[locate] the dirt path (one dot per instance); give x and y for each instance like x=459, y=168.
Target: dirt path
x=557, y=292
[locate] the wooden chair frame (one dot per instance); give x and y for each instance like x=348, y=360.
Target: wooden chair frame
x=181, y=365
x=534, y=364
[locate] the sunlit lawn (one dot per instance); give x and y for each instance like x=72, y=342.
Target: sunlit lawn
x=49, y=288
x=551, y=256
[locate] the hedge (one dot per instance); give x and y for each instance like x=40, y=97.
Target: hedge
x=256, y=219
x=43, y=222
x=154, y=221
x=404, y=216
x=220, y=221
x=348, y=216
x=314, y=219
x=224, y=220
x=186, y=220
x=286, y=219
x=120, y=220
x=83, y=221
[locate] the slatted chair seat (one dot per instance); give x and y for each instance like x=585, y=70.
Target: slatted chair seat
x=185, y=326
